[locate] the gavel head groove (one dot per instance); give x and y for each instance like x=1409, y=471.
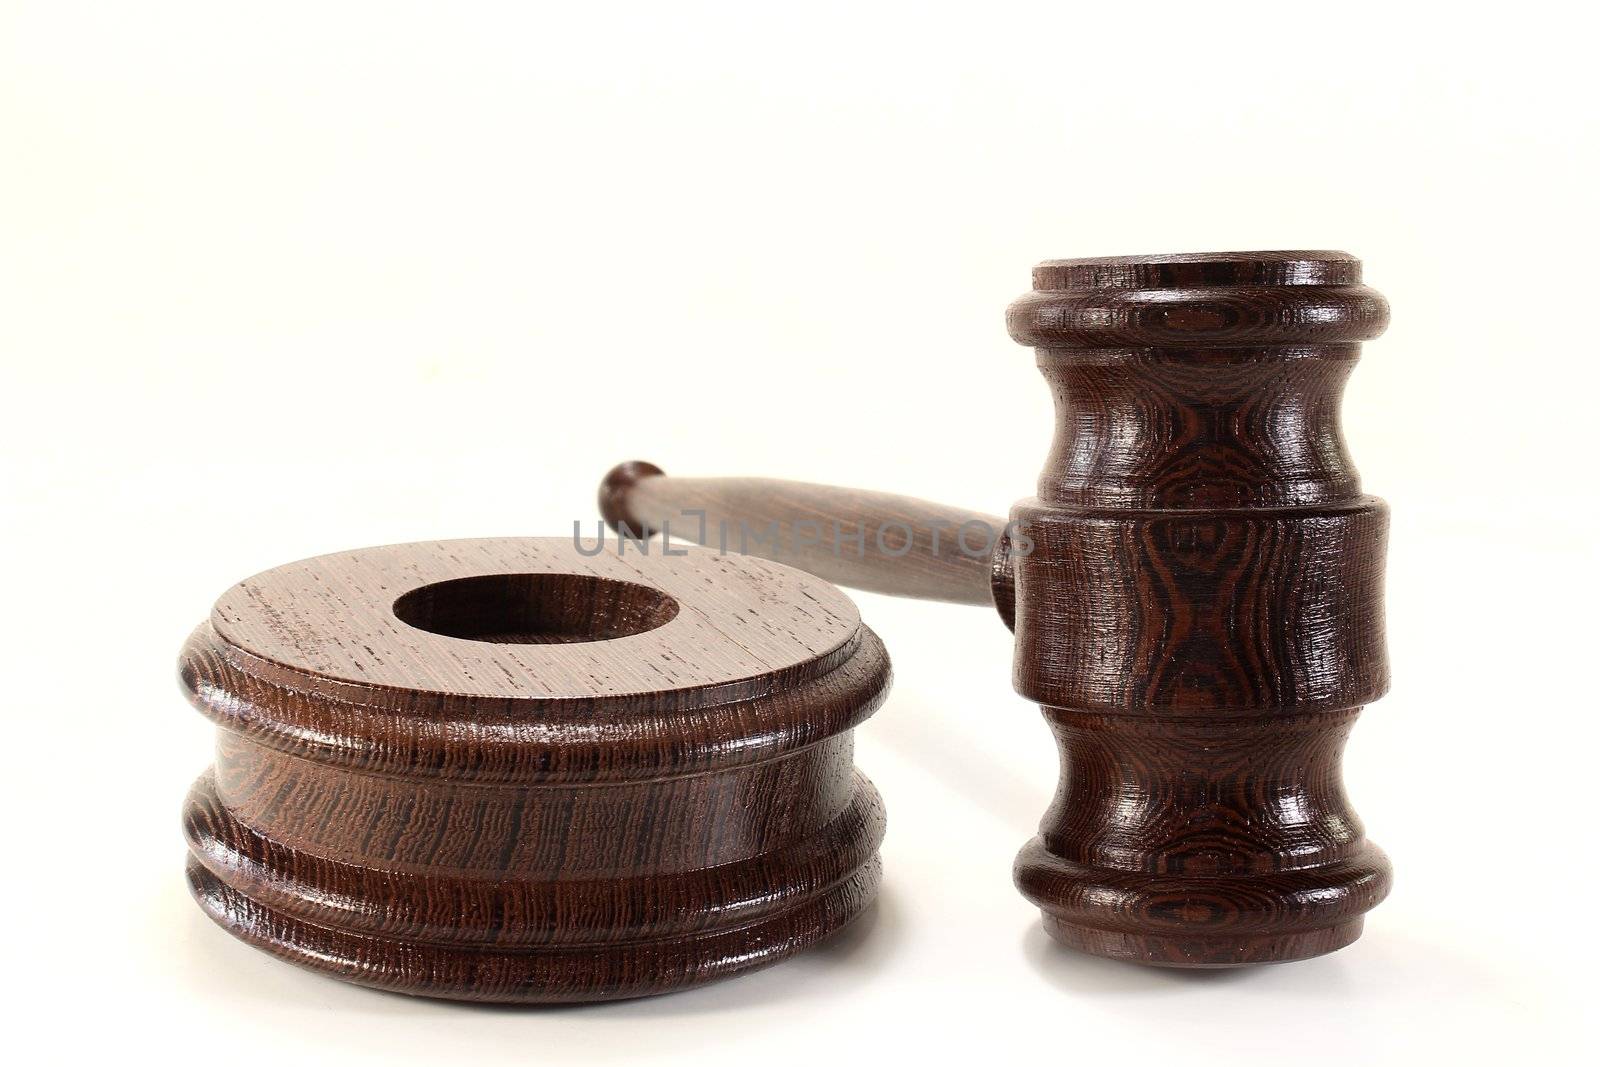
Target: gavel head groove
x=507, y=770
x=1201, y=615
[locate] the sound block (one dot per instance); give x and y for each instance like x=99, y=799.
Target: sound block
x=507, y=770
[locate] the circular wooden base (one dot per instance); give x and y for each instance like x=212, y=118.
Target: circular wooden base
x=575, y=975
x=505, y=771
x=301, y=910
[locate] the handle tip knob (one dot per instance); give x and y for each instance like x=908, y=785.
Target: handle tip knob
x=614, y=489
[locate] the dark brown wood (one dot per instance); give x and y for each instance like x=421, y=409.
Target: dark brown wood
x=1198, y=604
x=1202, y=615
x=503, y=770
x=874, y=541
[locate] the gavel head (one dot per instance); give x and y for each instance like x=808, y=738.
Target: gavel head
x=1200, y=611
x=1201, y=380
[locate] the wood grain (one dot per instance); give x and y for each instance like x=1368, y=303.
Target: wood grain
x=880, y=542
x=1202, y=617
x=503, y=770
x=1197, y=594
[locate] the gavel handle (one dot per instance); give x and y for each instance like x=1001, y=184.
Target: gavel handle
x=875, y=541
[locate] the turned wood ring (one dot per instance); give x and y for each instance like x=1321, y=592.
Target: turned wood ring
x=505, y=770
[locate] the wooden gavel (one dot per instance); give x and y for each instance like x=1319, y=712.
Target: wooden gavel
x=1196, y=591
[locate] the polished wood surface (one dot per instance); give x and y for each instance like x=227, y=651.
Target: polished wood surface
x=1199, y=608
x=504, y=770
x=1202, y=617
x=875, y=541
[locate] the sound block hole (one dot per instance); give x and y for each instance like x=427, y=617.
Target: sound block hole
x=535, y=609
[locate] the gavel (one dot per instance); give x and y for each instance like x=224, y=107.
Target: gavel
x=1196, y=592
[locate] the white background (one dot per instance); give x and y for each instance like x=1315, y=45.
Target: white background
x=286, y=279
